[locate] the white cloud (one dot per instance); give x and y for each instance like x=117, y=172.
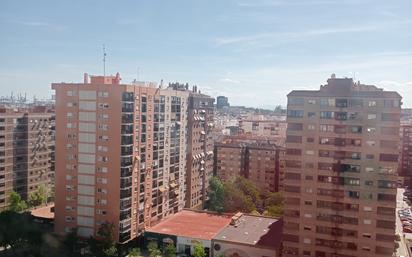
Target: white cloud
x=230, y=80
x=39, y=24
x=271, y=38
x=268, y=3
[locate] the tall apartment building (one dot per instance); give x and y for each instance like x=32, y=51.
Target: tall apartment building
x=120, y=153
x=222, y=101
x=26, y=150
x=405, y=158
x=199, y=148
x=341, y=170
x=257, y=159
x=267, y=128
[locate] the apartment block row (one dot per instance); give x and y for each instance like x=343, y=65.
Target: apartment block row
x=259, y=159
x=129, y=154
x=26, y=150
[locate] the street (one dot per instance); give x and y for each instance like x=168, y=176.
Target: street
x=401, y=204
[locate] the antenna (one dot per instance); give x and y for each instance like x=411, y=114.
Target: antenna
x=104, y=60
x=138, y=73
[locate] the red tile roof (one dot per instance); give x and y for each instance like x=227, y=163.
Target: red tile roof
x=192, y=224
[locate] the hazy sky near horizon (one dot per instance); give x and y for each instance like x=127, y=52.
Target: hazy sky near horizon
x=253, y=51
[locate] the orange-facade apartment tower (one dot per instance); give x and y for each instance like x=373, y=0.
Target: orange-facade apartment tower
x=341, y=171
x=26, y=150
x=120, y=155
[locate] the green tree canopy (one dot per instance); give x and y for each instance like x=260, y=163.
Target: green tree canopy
x=16, y=203
x=134, y=252
x=18, y=232
x=216, y=195
x=169, y=251
x=198, y=250
x=153, y=249
x=39, y=196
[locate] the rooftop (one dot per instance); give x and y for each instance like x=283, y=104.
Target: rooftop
x=45, y=212
x=345, y=87
x=192, y=224
x=253, y=230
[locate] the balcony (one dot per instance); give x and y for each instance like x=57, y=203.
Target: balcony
x=128, y=150
x=127, y=140
x=125, y=182
x=127, y=129
x=123, y=237
x=126, y=172
x=127, y=107
x=128, y=97
x=125, y=193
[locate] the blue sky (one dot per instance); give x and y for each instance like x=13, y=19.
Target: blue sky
x=253, y=51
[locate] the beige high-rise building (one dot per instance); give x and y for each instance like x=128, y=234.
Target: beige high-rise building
x=259, y=159
x=120, y=155
x=199, y=148
x=26, y=150
x=341, y=171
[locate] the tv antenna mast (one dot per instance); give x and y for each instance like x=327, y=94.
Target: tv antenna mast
x=104, y=60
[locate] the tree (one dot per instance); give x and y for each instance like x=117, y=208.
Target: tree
x=153, y=249
x=134, y=252
x=235, y=200
x=104, y=244
x=275, y=198
x=248, y=188
x=111, y=251
x=38, y=197
x=20, y=234
x=72, y=242
x=16, y=203
x=198, y=250
x=255, y=212
x=106, y=234
x=169, y=251
x=216, y=195
x=273, y=211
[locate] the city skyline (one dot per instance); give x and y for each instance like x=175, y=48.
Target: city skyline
x=254, y=52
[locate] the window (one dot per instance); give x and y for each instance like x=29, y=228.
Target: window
x=310, y=140
x=293, y=139
x=356, y=102
x=71, y=93
x=371, y=130
x=311, y=101
x=390, y=117
x=295, y=126
x=389, y=131
x=370, y=143
x=326, y=128
x=311, y=115
x=372, y=103
x=103, y=94
x=311, y=127
x=368, y=183
x=292, y=151
x=371, y=116
x=295, y=113
x=327, y=115
x=327, y=102
x=356, y=129
x=388, y=157
x=310, y=152
x=102, y=180
x=295, y=101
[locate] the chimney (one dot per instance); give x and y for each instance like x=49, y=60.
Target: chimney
x=86, y=78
